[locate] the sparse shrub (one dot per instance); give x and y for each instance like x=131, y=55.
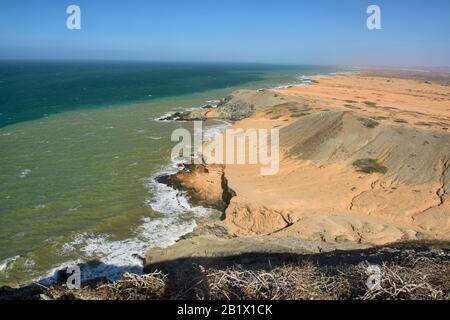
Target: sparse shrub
x=369, y=123
x=138, y=287
x=352, y=107
x=370, y=104
x=299, y=114
x=369, y=166
x=422, y=123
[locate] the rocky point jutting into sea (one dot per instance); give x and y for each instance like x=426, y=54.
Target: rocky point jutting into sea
x=363, y=163
x=364, y=176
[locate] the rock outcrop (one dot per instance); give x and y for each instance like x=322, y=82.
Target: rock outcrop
x=351, y=173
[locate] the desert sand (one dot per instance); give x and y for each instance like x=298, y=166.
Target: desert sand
x=364, y=161
x=364, y=173
x=319, y=194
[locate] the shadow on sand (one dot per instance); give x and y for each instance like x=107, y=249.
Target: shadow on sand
x=185, y=273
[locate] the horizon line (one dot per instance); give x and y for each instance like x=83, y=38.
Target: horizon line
x=106, y=60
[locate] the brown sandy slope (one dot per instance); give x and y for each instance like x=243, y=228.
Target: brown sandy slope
x=364, y=161
x=319, y=194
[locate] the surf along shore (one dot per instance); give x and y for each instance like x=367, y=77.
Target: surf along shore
x=364, y=163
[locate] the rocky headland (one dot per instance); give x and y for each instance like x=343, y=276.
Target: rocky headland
x=364, y=179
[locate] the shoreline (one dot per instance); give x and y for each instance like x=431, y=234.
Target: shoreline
x=394, y=231
x=102, y=240
x=179, y=196
x=211, y=228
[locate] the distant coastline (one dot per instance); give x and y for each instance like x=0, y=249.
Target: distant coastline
x=251, y=224
x=247, y=214
x=119, y=151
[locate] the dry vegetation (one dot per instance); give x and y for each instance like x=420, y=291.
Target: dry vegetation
x=416, y=279
x=406, y=273
x=369, y=166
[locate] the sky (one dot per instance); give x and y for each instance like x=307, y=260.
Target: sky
x=331, y=32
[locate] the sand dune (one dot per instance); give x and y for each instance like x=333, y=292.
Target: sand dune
x=364, y=159
x=330, y=128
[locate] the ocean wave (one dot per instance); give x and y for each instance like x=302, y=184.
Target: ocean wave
x=300, y=81
x=343, y=73
x=8, y=263
x=24, y=173
x=166, y=117
x=163, y=118
x=115, y=257
x=303, y=80
x=213, y=102
x=101, y=256
x=211, y=132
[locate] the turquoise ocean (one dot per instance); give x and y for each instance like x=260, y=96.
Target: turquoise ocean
x=80, y=148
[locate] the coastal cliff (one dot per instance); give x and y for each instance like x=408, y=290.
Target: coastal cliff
x=350, y=173
x=360, y=170
x=363, y=179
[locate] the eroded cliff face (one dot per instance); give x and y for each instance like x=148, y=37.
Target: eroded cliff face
x=350, y=171
x=206, y=185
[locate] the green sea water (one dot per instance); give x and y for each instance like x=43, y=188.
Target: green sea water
x=79, y=146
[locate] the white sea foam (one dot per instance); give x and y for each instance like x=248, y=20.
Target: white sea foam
x=213, y=102
x=343, y=73
x=118, y=256
x=300, y=81
x=304, y=80
x=164, y=117
x=24, y=173
x=8, y=263
x=178, y=217
x=114, y=257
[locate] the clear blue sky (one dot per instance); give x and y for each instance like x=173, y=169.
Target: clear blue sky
x=415, y=32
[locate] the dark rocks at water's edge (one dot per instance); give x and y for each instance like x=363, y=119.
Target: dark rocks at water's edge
x=184, y=116
x=235, y=111
x=205, y=186
x=197, y=114
x=176, y=116
x=239, y=105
